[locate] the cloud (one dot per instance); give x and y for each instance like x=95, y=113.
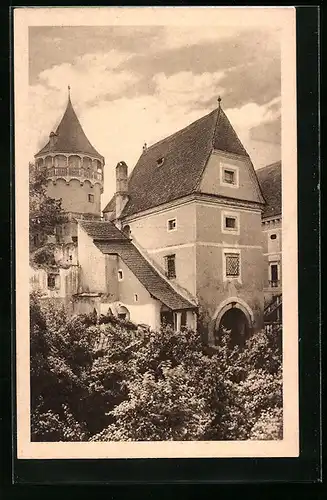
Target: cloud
x=187, y=36
x=186, y=87
x=91, y=76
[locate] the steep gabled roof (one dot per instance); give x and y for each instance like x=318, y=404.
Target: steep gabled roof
x=270, y=180
x=70, y=137
x=103, y=230
x=150, y=278
x=184, y=155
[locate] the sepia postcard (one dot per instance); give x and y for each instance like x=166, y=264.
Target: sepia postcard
x=156, y=232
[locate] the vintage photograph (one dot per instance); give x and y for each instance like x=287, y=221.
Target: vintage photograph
x=154, y=167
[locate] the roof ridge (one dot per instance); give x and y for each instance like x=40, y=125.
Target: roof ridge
x=274, y=164
x=180, y=131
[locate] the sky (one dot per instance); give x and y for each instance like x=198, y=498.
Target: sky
x=131, y=85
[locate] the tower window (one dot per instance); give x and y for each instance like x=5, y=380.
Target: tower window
x=120, y=275
x=136, y=298
x=273, y=236
x=170, y=266
x=91, y=198
x=171, y=225
x=52, y=281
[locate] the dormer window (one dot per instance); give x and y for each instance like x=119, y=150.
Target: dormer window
x=160, y=161
x=228, y=175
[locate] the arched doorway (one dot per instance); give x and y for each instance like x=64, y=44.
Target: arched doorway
x=235, y=316
x=235, y=321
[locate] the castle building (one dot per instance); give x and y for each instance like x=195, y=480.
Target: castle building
x=185, y=240
x=270, y=181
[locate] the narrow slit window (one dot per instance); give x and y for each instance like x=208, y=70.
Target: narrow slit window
x=120, y=275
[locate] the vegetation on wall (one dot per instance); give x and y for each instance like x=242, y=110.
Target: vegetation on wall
x=106, y=380
x=45, y=213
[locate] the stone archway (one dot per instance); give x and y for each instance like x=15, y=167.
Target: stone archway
x=235, y=315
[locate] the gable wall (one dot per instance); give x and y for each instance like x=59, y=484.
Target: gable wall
x=248, y=185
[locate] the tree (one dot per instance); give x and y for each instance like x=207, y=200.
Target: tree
x=45, y=213
x=103, y=380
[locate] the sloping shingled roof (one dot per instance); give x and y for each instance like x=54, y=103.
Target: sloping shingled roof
x=185, y=155
x=270, y=180
x=110, y=240
x=70, y=137
x=103, y=230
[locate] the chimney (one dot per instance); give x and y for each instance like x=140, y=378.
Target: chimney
x=121, y=187
x=53, y=139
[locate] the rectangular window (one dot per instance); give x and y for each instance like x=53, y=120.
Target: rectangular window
x=229, y=176
x=171, y=225
x=232, y=265
x=53, y=281
x=274, y=276
x=120, y=275
x=91, y=198
x=230, y=222
x=170, y=266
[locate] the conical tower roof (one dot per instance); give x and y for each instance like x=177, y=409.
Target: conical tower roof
x=70, y=137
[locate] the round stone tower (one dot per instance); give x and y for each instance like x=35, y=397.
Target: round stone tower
x=74, y=168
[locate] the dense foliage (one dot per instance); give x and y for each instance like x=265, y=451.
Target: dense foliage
x=45, y=213
x=106, y=380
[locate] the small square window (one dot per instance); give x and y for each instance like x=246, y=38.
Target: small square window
x=172, y=225
x=273, y=236
x=229, y=176
x=120, y=275
x=230, y=222
x=170, y=266
x=91, y=198
x=232, y=265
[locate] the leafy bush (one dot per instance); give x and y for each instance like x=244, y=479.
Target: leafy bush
x=104, y=379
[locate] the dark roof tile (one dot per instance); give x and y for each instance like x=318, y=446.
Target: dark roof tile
x=270, y=180
x=70, y=137
x=103, y=230
x=185, y=155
